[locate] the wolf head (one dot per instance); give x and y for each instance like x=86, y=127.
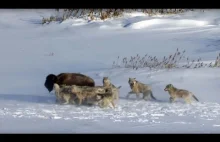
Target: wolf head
x=132, y=81
x=168, y=87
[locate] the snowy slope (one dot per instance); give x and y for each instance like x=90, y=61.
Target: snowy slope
x=30, y=51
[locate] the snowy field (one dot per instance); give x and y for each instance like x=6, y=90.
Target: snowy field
x=30, y=51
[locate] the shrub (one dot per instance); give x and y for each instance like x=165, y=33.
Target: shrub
x=176, y=60
x=103, y=14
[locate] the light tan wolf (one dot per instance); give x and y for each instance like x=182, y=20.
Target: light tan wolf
x=87, y=93
x=138, y=87
x=64, y=94
x=107, y=99
x=179, y=93
x=107, y=83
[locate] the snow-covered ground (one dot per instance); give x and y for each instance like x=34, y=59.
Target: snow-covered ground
x=90, y=48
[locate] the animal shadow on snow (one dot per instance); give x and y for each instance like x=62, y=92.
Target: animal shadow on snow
x=47, y=99
x=28, y=98
x=33, y=21
x=141, y=99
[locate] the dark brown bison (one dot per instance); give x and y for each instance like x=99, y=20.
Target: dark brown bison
x=68, y=79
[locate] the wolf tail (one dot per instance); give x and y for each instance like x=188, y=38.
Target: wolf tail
x=195, y=98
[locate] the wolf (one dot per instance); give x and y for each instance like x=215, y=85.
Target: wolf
x=81, y=94
x=64, y=94
x=107, y=83
x=179, y=93
x=87, y=93
x=107, y=99
x=138, y=87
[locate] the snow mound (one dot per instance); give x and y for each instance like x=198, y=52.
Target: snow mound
x=157, y=23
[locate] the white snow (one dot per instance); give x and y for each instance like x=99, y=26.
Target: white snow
x=30, y=51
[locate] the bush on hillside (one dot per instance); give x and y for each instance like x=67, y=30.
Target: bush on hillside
x=176, y=60
x=102, y=14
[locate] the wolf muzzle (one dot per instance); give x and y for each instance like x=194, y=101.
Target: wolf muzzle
x=131, y=84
